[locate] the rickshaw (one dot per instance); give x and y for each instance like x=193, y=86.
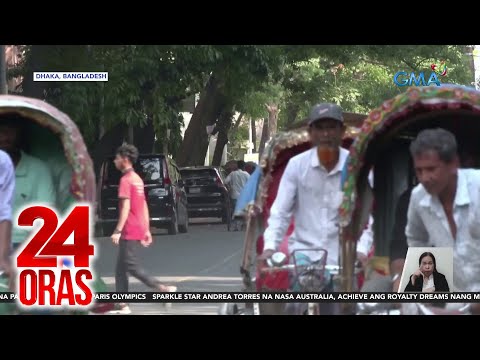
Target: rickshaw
x=53, y=137
x=255, y=203
x=383, y=143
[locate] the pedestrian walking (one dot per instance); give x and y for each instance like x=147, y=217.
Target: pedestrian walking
x=133, y=227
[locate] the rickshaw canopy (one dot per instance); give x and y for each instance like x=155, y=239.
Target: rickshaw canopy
x=448, y=106
x=55, y=138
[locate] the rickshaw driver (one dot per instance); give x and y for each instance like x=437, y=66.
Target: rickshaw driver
x=34, y=182
x=444, y=208
x=7, y=188
x=310, y=191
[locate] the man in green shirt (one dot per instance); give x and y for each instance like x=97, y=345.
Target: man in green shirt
x=33, y=179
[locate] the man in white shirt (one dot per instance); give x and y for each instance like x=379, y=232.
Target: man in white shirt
x=444, y=209
x=310, y=191
x=7, y=188
x=235, y=181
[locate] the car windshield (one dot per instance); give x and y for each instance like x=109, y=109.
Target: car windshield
x=200, y=173
x=149, y=169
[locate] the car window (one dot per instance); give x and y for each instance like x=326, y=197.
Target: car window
x=148, y=168
x=203, y=173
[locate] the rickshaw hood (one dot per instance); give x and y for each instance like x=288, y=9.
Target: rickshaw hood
x=82, y=186
x=389, y=114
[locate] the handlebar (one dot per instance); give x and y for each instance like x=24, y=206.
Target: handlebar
x=332, y=269
x=273, y=269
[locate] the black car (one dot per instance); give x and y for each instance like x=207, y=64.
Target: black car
x=164, y=191
x=206, y=191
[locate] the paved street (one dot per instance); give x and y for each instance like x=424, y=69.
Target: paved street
x=207, y=258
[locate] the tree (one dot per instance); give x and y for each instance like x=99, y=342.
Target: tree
x=146, y=87
x=223, y=127
x=365, y=80
x=237, y=71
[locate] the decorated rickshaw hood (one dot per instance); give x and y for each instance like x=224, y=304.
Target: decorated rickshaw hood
x=82, y=186
x=276, y=145
x=447, y=96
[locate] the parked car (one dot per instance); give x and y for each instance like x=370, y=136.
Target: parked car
x=206, y=192
x=164, y=191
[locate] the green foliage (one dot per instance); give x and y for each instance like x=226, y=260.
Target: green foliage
x=150, y=81
x=365, y=80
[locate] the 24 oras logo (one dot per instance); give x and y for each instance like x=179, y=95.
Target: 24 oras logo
x=440, y=69
x=46, y=277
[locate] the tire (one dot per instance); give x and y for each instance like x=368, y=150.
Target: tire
x=184, y=227
x=173, y=227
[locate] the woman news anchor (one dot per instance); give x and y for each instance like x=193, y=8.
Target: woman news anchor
x=427, y=278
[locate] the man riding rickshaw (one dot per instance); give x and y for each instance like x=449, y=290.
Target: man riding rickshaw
x=385, y=143
x=261, y=192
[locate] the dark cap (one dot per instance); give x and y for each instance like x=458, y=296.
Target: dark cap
x=325, y=111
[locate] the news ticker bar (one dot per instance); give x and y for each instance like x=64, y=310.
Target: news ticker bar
x=271, y=297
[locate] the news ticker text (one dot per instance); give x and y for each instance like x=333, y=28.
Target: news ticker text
x=266, y=297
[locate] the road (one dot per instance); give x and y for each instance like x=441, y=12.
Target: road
x=207, y=258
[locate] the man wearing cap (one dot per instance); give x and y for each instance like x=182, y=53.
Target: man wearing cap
x=310, y=191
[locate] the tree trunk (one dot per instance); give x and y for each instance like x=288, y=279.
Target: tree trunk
x=224, y=125
x=272, y=120
x=144, y=137
x=475, y=65
x=264, y=138
x=237, y=123
x=130, y=137
x=195, y=142
x=165, y=143
x=3, y=70
x=107, y=145
x=30, y=88
x=269, y=126
x=254, y=134
x=292, y=112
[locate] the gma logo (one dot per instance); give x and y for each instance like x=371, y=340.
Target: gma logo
x=403, y=78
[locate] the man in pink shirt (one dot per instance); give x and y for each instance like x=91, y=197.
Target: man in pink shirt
x=133, y=227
